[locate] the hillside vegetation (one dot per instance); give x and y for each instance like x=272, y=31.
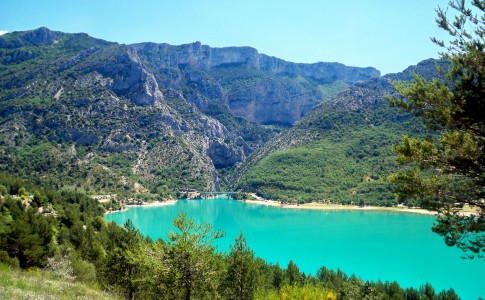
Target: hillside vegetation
x=38, y=284
x=341, y=152
x=64, y=245
x=143, y=121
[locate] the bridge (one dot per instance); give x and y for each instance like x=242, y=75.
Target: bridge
x=206, y=195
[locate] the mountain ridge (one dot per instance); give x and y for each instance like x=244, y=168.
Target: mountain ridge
x=107, y=117
x=351, y=136
x=206, y=57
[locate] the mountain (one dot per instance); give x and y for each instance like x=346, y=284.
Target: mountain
x=341, y=151
x=260, y=88
x=83, y=113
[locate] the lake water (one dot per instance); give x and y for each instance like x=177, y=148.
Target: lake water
x=372, y=245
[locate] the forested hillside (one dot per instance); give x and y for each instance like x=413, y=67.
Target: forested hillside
x=65, y=235
x=341, y=151
x=148, y=119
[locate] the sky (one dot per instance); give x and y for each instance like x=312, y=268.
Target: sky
x=389, y=35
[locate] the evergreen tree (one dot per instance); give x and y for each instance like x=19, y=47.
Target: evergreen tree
x=121, y=271
x=241, y=278
x=193, y=267
x=449, y=172
x=292, y=274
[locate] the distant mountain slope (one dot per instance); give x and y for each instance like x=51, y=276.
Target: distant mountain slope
x=260, y=88
x=84, y=113
x=339, y=152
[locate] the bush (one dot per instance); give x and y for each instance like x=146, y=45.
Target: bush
x=11, y=262
x=61, y=267
x=84, y=271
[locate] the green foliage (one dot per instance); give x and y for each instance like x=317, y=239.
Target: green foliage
x=337, y=170
x=120, y=269
x=10, y=262
x=310, y=292
x=448, y=172
x=38, y=284
x=331, y=90
x=192, y=266
x=241, y=276
x=293, y=274
x=83, y=248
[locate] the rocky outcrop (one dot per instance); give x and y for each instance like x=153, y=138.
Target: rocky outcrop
x=200, y=56
x=223, y=148
x=16, y=56
x=223, y=155
x=40, y=37
x=37, y=37
x=130, y=78
x=78, y=58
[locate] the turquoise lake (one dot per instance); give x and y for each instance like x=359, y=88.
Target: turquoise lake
x=372, y=245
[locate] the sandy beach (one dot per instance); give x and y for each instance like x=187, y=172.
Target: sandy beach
x=311, y=206
x=320, y=206
x=146, y=204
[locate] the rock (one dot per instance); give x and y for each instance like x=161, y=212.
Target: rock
x=78, y=58
x=271, y=102
x=10, y=44
x=263, y=89
x=40, y=37
x=203, y=57
x=131, y=79
x=223, y=155
x=17, y=56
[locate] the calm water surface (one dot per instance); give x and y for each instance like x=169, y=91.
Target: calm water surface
x=372, y=245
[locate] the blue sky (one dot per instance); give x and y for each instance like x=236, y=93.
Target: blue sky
x=387, y=34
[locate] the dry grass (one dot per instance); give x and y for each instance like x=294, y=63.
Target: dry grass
x=16, y=284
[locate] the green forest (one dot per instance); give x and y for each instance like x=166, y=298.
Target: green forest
x=337, y=153
x=62, y=239
x=346, y=171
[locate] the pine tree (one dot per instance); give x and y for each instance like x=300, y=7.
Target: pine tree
x=193, y=266
x=449, y=171
x=241, y=277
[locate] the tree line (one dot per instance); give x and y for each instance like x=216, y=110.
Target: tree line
x=64, y=232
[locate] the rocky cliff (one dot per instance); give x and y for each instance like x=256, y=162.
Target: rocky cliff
x=261, y=88
x=147, y=117
x=200, y=56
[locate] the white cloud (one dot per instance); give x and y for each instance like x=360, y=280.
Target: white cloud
x=2, y=32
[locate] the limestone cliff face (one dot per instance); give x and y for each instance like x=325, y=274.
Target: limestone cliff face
x=263, y=89
x=128, y=76
x=204, y=57
x=271, y=101
x=171, y=115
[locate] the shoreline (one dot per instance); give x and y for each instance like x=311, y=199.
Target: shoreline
x=334, y=207
x=305, y=206
x=145, y=204
x=328, y=207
